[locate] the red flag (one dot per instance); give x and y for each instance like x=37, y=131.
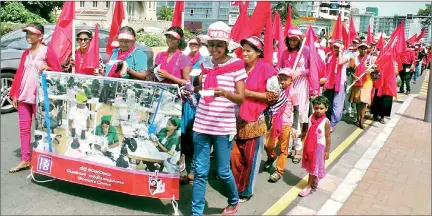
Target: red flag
x=316, y=65
x=268, y=39
x=61, y=39
x=178, y=12
x=241, y=30
x=369, y=36
x=91, y=58
x=117, y=19
x=345, y=36
x=421, y=35
x=288, y=20
x=352, y=31
x=401, y=43
x=380, y=44
x=337, y=30
x=278, y=33
x=412, y=39
x=259, y=17
x=386, y=84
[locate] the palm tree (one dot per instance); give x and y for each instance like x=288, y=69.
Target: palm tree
x=282, y=7
x=165, y=13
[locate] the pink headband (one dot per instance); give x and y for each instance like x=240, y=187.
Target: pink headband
x=32, y=30
x=173, y=33
x=126, y=36
x=219, y=35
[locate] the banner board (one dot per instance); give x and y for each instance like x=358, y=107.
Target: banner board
x=114, y=134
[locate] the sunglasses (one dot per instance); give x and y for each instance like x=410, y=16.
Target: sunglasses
x=79, y=40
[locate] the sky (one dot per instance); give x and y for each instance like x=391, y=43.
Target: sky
x=392, y=8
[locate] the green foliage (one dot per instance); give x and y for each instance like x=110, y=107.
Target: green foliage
x=282, y=7
x=7, y=27
x=43, y=8
x=165, y=13
x=15, y=12
x=151, y=39
x=426, y=12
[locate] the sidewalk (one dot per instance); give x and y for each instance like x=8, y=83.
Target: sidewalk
x=399, y=179
x=386, y=171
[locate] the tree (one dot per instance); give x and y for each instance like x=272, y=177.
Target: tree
x=426, y=12
x=15, y=12
x=43, y=8
x=282, y=7
x=165, y=13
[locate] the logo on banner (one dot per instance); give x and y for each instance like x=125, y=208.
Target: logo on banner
x=44, y=164
x=156, y=186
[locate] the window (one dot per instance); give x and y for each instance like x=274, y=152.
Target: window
x=95, y=4
x=82, y=3
x=191, y=12
x=107, y=4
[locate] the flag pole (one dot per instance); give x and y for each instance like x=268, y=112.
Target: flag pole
x=73, y=44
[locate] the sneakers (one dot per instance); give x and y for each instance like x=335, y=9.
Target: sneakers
x=275, y=177
x=268, y=164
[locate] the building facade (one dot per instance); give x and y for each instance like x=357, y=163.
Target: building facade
x=207, y=12
x=139, y=14
x=341, y=7
x=373, y=10
x=362, y=21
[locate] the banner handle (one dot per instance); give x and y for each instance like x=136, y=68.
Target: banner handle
x=47, y=115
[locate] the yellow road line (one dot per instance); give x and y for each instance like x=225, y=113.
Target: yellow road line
x=292, y=194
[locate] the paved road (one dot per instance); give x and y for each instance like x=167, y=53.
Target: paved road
x=21, y=196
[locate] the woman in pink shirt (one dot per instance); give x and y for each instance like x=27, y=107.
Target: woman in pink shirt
x=172, y=65
x=23, y=91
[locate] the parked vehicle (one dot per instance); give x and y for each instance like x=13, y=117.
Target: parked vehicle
x=13, y=45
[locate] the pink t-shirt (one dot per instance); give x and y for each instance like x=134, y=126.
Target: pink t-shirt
x=218, y=117
x=182, y=62
x=288, y=117
x=30, y=76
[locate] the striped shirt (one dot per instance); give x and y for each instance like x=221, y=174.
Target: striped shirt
x=218, y=117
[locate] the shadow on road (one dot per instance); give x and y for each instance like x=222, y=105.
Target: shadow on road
x=107, y=197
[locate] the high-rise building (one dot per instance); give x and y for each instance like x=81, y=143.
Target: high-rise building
x=333, y=9
x=373, y=10
x=362, y=21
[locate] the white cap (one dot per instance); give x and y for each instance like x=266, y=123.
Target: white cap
x=219, y=31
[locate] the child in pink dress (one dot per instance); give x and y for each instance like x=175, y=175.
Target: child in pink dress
x=316, y=145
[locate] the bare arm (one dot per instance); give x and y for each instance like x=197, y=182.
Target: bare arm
x=140, y=75
x=341, y=59
x=260, y=96
x=327, y=137
x=237, y=97
x=185, y=76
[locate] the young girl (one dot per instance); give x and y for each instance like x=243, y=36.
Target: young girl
x=316, y=145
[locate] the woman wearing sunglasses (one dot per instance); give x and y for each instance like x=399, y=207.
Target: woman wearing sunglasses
x=23, y=91
x=127, y=61
x=83, y=39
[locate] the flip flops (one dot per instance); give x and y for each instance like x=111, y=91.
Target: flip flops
x=231, y=212
x=19, y=169
x=305, y=192
x=296, y=159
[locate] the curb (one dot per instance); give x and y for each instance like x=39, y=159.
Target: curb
x=350, y=182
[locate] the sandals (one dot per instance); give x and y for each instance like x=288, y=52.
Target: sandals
x=296, y=159
x=275, y=177
x=305, y=192
x=231, y=212
x=244, y=199
x=19, y=169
